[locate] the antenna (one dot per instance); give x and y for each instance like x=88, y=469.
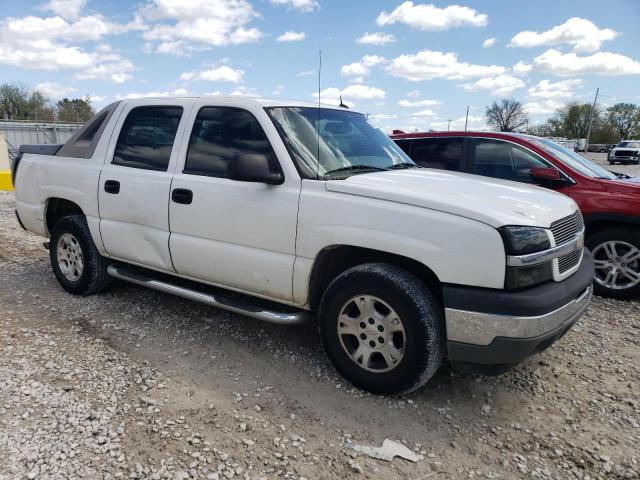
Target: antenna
x=342, y=105
x=318, y=113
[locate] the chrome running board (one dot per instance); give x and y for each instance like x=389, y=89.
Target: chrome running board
x=235, y=306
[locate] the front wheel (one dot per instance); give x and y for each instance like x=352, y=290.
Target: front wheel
x=616, y=254
x=75, y=260
x=382, y=328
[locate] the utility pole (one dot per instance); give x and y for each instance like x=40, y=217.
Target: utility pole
x=466, y=119
x=449, y=125
x=593, y=111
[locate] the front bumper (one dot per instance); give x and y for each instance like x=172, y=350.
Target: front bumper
x=498, y=328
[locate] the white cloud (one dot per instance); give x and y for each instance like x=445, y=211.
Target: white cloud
x=418, y=103
x=363, y=67
x=427, y=112
x=55, y=90
x=377, y=38
x=300, y=5
x=291, y=36
x=116, y=71
x=414, y=94
x=363, y=92
x=278, y=90
x=183, y=27
x=430, y=17
x=332, y=95
x=33, y=42
x=547, y=89
x=544, y=107
x=583, y=34
x=522, y=68
x=382, y=116
x=474, y=123
x=223, y=73
x=599, y=63
x=305, y=73
x=64, y=8
x=428, y=64
x=243, y=91
x=500, y=85
x=179, y=92
x=489, y=42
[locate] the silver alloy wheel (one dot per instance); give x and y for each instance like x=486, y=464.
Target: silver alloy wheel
x=371, y=333
x=617, y=264
x=70, y=257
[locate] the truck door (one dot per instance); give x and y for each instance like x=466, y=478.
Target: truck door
x=236, y=234
x=133, y=192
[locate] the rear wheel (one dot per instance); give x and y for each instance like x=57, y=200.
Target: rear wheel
x=616, y=253
x=382, y=328
x=75, y=260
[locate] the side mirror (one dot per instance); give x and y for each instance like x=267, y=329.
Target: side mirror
x=546, y=175
x=253, y=168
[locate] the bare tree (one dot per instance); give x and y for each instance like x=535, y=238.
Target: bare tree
x=506, y=115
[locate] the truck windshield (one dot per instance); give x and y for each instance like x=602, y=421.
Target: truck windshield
x=573, y=160
x=327, y=143
x=629, y=144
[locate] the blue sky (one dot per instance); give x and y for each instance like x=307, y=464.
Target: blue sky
x=410, y=65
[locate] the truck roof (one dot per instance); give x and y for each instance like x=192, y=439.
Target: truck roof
x=246, y=100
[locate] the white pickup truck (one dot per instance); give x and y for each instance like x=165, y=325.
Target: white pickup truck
x=286, y=211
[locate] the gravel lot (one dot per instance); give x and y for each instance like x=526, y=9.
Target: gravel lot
x=138, y=384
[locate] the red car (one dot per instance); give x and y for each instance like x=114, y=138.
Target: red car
x=610, y=202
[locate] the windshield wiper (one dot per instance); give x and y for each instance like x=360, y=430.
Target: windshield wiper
x=402, y=166
x=355, y=167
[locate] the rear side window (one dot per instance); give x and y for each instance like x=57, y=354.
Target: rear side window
x=84, y=142
x=220, y=134
x=499, y=159
x=146, y=138
x=405, y=145
x=441, y=153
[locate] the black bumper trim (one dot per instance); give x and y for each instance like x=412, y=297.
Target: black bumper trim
x=531, y=302
x=503, y=353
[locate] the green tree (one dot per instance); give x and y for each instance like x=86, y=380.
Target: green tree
x=506, y=115
x=75, y=110
x=14, y=101
x=572, y=120
x=625, y=118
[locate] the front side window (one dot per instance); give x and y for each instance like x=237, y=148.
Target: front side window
x=220, y=134
x=328, y=143
x=441, y=153
x=505, y=160
x=146, y=138
x=572, y=159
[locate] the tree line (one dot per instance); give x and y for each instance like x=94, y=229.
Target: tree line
x=610, y=125
x=18, y=102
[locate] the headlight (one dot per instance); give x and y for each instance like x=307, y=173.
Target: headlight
x=521, y=241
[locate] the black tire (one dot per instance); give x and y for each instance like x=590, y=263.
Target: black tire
x=420, y=314
x=619, y=234
x=93, y=277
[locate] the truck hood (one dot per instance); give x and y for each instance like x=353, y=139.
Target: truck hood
x=487, y=200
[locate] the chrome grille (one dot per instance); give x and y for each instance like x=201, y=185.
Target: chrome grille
x=568, y=261
x=566, y=228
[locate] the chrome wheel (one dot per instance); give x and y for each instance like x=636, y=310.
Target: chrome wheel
x=617, y=264
x=70, y=257
x=371, y=333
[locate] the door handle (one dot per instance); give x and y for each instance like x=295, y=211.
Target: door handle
x=112, y=186
x=182, y=195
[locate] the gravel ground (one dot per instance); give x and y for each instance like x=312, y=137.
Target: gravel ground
x=137, y=384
